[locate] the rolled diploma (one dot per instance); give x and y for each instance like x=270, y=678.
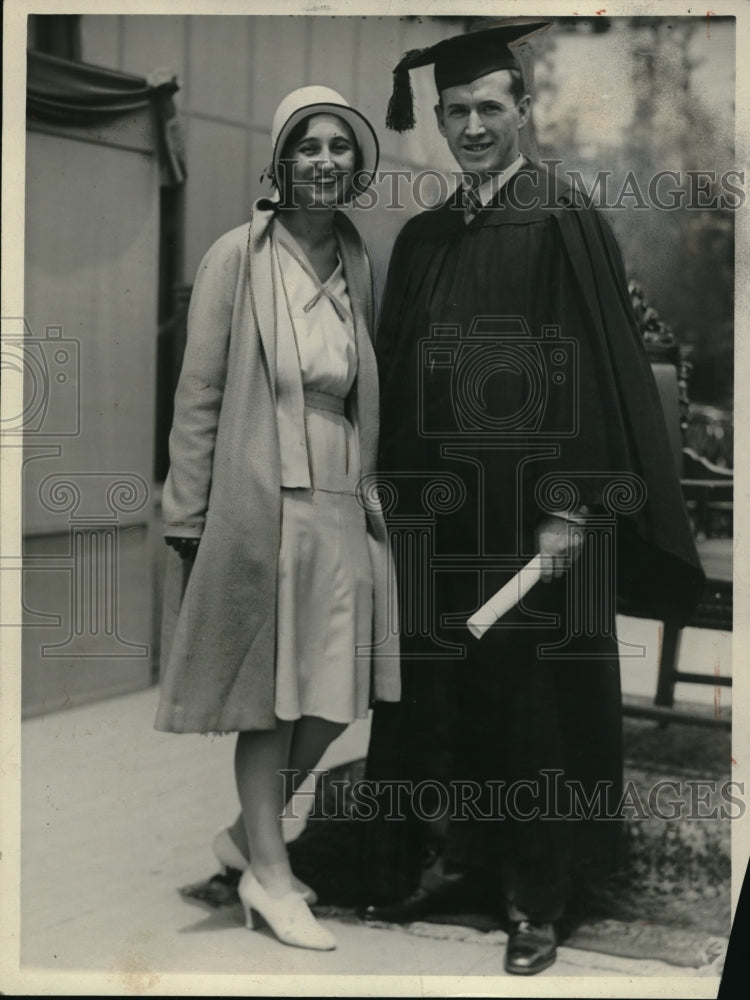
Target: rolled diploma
x=506, y=598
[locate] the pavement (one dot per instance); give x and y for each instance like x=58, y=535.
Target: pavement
x=116, y=817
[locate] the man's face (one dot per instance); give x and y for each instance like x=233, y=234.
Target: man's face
x=481, y=122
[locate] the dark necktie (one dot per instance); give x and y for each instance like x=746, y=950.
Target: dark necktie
x=472, y=204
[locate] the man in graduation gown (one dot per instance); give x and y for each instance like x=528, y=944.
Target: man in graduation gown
x=518, y=416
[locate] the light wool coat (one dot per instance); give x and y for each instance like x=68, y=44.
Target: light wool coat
x=224, y=487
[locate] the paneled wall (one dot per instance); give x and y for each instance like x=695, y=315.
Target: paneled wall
x=92, y=250
x=234, y=71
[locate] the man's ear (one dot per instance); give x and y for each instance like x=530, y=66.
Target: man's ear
x=524, y=110
x=439, y=116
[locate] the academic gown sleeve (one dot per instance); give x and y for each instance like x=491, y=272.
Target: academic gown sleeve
x=660, y=572
x=558, y=266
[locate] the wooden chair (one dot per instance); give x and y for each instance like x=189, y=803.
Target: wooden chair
x=708, y=492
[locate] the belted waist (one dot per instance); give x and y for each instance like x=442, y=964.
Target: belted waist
x=324, y=401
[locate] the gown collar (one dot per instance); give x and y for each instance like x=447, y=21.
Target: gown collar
x=538, y=194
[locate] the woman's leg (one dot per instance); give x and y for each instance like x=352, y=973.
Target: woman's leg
x=260, y=756
x=311, y=737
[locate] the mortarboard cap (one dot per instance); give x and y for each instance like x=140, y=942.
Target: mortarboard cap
x=458, y=60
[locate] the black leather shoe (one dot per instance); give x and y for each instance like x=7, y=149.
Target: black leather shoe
x=532, y=947
x=423, y=903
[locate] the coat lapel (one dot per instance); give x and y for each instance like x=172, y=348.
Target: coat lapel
x=261, y=281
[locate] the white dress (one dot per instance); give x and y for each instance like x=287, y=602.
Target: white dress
x=325, y=588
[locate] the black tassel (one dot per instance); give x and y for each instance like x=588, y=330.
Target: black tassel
x=400, y=114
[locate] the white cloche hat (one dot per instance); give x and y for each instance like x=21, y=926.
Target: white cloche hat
x=322, y=100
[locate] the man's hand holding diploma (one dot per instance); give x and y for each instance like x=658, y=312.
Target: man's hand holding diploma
x=558, y=546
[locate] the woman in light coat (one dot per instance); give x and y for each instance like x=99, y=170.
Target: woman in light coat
x=278, y=619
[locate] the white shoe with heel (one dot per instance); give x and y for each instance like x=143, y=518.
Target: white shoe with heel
x=230, y=856
x=289, y=916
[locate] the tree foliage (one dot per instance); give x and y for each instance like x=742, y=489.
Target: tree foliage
x=683, y=258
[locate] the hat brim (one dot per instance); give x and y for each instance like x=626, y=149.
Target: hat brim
x=360, y=126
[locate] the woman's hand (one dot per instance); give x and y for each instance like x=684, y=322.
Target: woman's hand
x=186, y=547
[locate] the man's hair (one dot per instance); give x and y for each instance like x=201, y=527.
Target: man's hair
x=517, y=86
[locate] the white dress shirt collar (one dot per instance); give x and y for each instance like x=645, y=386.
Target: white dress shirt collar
x=489, y=188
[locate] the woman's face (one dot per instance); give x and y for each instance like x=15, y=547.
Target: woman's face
x=321, y=163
